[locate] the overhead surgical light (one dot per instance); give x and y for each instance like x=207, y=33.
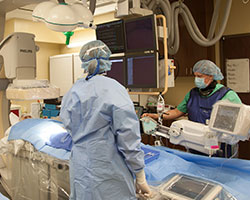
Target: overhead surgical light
x=63, y=17
x=41, y=10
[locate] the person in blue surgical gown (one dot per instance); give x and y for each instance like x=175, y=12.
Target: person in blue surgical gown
x=99, y=115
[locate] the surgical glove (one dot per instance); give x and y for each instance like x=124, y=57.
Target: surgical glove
x=141, y=184
x=153, y=116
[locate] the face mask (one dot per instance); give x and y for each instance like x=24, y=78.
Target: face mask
x=199, y=82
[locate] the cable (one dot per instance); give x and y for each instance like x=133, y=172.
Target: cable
x=172, y=12
x=214, y=20
x=205, y=42
x=245, y=1
x=236, y=152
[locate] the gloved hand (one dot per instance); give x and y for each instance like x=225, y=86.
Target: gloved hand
x=142, y=187
x=152, y=115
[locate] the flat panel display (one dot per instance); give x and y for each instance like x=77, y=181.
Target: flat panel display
x=117, y=71
x=112, y=34
x=193, y=189
x=140, y=34
x=141, y=71
x=226, y=118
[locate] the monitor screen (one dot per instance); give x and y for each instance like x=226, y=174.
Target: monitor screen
x=138, y=111
x=226, y=117
x=141, y=71
x=140, y=34
x=112, y=34
x=191, y=188
x=117, y=71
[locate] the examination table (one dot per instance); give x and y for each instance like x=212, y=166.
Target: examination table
x=32, y=167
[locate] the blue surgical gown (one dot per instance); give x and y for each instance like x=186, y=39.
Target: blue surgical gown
x=106, y=151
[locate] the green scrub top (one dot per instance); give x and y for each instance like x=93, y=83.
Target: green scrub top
x=230, y=95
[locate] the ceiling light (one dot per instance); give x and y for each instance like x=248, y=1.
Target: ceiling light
x=63, y=17
x=85, y=17
x=41, y=9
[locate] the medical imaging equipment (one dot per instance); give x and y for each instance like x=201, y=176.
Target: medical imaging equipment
x=142, y=70
x=112, y=34
x=18, y=52
x=172, y=10
x=117, y=71
x=141, y=56
x=141, y=34
x=187, y=188
x=19, y=58
x=128, y=70
x=229, y=123
x=136, y=70
x=232, y=119
x=121, y=36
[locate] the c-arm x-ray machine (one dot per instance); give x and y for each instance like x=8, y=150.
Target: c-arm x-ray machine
x=18, y=66
x=229, y=123
x=6, y=6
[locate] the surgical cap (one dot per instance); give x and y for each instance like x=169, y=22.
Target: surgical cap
x=209, y=68
x=94, y=52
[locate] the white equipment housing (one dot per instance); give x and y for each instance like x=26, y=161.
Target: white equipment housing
x=63, y=17
x=189, y=134
x=19, y=57
x=124, y=9
x=19, y=53
x=229, y=123
x=230, y=118
x=187, y=188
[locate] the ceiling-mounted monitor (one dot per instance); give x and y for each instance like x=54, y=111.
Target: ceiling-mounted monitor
x=141, y=34
x=142, y=71
x=117, y=71
x=112, y=34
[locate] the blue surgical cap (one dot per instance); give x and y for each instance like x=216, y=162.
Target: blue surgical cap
x=94, y=52
x=209, y=68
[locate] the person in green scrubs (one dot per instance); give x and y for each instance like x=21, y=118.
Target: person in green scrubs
x=198, y=102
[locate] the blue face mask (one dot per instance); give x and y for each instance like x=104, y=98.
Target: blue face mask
x=200, y=83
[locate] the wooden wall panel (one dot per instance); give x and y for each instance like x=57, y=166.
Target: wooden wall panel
x=235, y=47
x=190, y=52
